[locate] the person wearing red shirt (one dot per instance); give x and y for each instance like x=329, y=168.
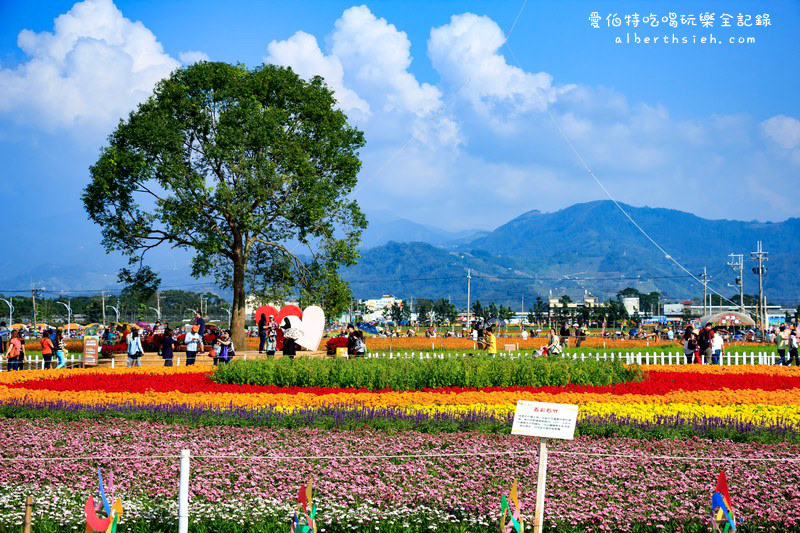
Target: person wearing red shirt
x=47, y=349
x=14, y=354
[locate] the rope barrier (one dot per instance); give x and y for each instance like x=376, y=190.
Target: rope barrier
x=531, y=453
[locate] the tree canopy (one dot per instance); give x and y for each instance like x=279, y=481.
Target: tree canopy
x=250, y=169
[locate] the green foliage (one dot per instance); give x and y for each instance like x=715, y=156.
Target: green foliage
x=235, y=164
x=397, y=312
x=414, y=374
x=436, y=313
x=140, y=285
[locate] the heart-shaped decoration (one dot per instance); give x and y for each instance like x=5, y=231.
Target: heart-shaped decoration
x=313, y=327
x=280, y=318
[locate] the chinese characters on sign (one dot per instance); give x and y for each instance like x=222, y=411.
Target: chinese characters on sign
x=91, y=349
x=547, y=420
x=673, y=20
x=684, y=24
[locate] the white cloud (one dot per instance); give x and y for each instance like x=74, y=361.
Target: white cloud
x=92, y=69
x=367, y=66
x=192, y=56
x=302, y=53
x=783, y=130
x=465, y=52
x=376, y=55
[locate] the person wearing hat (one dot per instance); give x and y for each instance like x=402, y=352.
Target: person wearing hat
x=194, y=344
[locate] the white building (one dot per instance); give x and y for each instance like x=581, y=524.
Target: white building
x=631, y=304
x=377, y=306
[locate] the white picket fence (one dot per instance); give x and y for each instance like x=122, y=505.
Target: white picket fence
x=642, y=358
x=37, y=362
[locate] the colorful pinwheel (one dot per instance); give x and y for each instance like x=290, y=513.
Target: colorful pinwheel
x=513, y=516
x=721, y=506
x=114, y=512
x=309, y=523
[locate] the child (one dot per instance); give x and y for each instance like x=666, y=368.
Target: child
x=213, y=353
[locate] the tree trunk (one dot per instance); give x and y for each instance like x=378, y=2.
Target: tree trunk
x=238, y=311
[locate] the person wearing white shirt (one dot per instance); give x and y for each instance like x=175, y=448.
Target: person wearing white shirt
x=194, y=344
x=717, y=347
x=135, y=350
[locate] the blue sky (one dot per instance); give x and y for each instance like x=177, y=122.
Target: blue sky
x=711, y=129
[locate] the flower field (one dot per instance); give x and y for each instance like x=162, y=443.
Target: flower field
x=645, y=457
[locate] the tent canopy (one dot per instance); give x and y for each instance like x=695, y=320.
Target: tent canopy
x=728, y=319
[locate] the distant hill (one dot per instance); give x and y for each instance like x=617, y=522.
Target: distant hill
x=384, y=228
x=537, y=252
x=524, y=258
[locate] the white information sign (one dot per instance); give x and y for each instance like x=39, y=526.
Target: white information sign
x=547, y=420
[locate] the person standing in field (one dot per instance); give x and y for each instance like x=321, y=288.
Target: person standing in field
x=194, y=343
x=200, y=322
x=781, y=342
x=14, y=351
x=168, y=347
x=61, y=349
x=689, y=346
x=262, y=333
x=47, y=349
x=5, y=334
x=717, y=347
x=135, y=350
x=793, y=347
x=272, y=336
x=491, y=341
x=704, y=343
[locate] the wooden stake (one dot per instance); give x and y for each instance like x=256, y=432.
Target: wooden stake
x=28, y=514
x=538, y=519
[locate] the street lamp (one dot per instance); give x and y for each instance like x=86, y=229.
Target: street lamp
x=68, y=307
x=229, y=315
x=116, y=311
x=10, y=305
x=158, y=313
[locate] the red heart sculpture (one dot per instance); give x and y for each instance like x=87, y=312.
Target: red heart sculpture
x=286, y=310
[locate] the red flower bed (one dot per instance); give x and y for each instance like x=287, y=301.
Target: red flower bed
x=655, y=383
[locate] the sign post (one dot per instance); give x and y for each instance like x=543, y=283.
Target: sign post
x=546, y=421
x=91, y=349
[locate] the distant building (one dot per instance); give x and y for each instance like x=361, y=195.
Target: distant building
x=377, y=306
x=631, y=304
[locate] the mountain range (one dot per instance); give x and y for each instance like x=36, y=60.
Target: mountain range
x=590, y=247
x=586, y=247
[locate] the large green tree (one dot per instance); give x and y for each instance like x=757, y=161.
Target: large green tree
x=248, y=169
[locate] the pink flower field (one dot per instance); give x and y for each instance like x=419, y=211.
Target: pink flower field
x=636, y=485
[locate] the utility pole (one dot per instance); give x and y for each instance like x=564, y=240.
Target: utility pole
x=103, y=298
x=469, y=287
x=34, y=292
x=704, y=277
x=760, y=256
x=158, y=306
x=737, y=265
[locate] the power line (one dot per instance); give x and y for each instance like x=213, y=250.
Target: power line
x=611, y=197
